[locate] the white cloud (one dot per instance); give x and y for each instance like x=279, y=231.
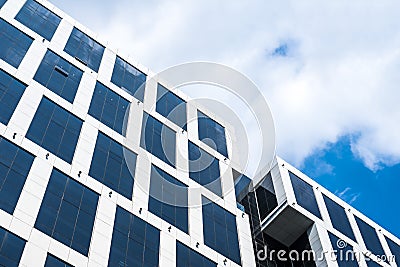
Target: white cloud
x=341, y=75
x=347, y=196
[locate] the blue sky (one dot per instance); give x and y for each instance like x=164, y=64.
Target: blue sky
x=329, y=70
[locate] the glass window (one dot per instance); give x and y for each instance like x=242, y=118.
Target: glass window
x=128, y=78
x=134, y=241
x=52, y=261
x=39, y=19
x=15, y=164
x=55, y=129
x=171, y=106
x=109, y=165
x=11, y=91
x=84, y=49
x=242, y=183
x=344, y=253
x=220, y=231
x=339, y=218
x=266, y=197
x=370, y=238
x=212, y=133
x=11, y=248
x=158, y=139
x=108, y=107
x=67, y=212
x=187, y=257
x=204, y=169
x=304, y=194
x=2, y=2
x=13, y=44
x=59, y=76
x=395, y=249
x=168, y=199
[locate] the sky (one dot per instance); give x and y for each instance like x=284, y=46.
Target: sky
x=328, y=69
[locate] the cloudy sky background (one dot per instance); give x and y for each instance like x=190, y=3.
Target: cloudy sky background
x=330, y=71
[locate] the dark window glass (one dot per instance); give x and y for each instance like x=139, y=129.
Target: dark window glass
x=204, y=169
x=59, y=76
x=129, y=78
x=345, y=255
x=55, y=129
x=39, y=19
x=187, y=257
x=304, y=194
x=15, y=164
x=242, y=183
x=11, y=91
x=220, y=231
x=370, y=238
x=168, y=198
x=84, y=49
x=134, y=241
x=52, y=261
x=2, y=2
x=266, y=197
x=171, y=106
x=212, y=133
x=395, y=249
x=109, y=165
x=11, y=248
x=13, y=44
x=67, y=212
x=339, y=218
x=371, y=263
x=108, y=107
x=158, y=139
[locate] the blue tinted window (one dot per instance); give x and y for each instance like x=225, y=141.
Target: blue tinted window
x=187, y=257
x=242, y=183
x=11, y=248
x=158, y=139
x=108, y=107
x=55, y=129
x=220, y=231
x=395, y=249
x=134, y=241
x=339, y=218
x=212, y=133
x=84, y=49
x=67, y=212
x=370, y=238
x=13, y=44
x=171, y=106
x=52, y=261
x=2, y=3
x=39, y=19
x=204, y=169
x=109, y=165
x=345, y=255
x=59, y=76
x=129, y=78
x=304, y=194
x=168, y=198
x=15, y=164
x=11, y=91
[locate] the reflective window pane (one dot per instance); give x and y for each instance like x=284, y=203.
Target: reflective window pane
x=59, y=76
x=84, y=49
x=109, y=165
x=204, y=169
x=187, y=257
x=67, y=212
x=15, y=164
x=11, y=248
x=171, y=106
x=13, y=44
x=370, y=238
x=345, y=255
x=212, y=133
x=39, y=19
x=2, y=2
x=129, y=78
x=11, y=91
x=134, y=241
x=304, y=194
x=169, y=199
x=108, y=107
x=395, y=249
x=158, y=139
x=55, y=129
x=52, y=261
